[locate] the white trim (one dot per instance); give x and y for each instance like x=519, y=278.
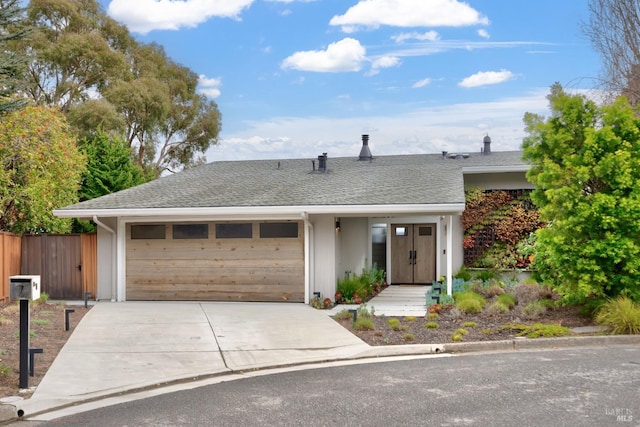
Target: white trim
x=449, y=254
x=308, y=240
x=121, y=279
x=260, y=212
x=495, y=169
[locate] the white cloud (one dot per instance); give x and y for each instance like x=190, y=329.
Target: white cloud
x=344, y=55
x=383, y=62
x=408, y=13
x=209, y=87
x=143, y=16
x=454, y=127
x=483, y=33
x=428, y=36
x=484, y=78
x=421, y=83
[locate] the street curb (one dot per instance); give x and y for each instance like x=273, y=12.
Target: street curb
x=9, y=411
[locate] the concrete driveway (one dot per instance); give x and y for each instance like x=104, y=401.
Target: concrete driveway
x=120, y=347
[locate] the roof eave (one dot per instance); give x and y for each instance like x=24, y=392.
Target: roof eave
x=263, y=211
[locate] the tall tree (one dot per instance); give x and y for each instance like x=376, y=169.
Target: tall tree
x=614, y=31
x=41, y=170
x=585, y=163
x=12, y=64
x=109, y=167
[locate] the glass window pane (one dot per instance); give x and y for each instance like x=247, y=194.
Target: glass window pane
x=155, y=231
x=234, y=231
x=190, y=231
x=279, y=229
x=402, y=231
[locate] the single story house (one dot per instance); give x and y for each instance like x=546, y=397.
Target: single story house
x=269, y=230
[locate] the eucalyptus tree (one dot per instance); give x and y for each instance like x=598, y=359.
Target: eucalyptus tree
x=13, y=27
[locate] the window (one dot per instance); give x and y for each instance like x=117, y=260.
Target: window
x=402, y=231
x=278, y=229
x=157, y=231
x=234, y=231
x=190, y=231
x=425, y=231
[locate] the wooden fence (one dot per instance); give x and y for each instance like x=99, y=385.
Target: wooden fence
x=10, y=251
x=66, y=264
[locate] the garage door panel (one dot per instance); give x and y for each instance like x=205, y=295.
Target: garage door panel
x=217, y=270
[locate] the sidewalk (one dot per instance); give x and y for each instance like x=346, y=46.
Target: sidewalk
x=120, y=348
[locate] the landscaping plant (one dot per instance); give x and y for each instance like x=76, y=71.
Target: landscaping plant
x=621, y=315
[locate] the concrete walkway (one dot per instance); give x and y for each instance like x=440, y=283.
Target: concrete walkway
x=394, y=300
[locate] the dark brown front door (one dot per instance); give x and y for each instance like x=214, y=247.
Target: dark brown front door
x=413, y=253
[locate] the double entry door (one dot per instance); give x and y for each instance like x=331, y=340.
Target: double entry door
x=413, y=253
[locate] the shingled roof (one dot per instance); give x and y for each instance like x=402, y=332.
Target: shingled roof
x=424, y=179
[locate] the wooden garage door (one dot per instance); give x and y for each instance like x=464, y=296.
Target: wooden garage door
x=233, y=261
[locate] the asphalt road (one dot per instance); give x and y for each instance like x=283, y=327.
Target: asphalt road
x=566, y=387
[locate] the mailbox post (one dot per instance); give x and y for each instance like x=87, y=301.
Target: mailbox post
x=24, y=289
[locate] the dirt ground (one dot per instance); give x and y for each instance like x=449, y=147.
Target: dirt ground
x=488, y=327
x=47, y=326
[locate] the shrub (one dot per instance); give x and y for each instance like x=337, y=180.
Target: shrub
x=44, y=297
x=528, y=291
x=394, y=323
x=497, y=307
x=469, y=302
x=463, y=274
x=621, y=315
x=534, y=309
x=363, y=324
x=343, y=315
x=348, y=287
x=486, y=275
x=507, y=299
x=431, y=325
x=408, y=336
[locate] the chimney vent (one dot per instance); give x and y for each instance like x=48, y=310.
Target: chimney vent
x=487, y=145
x=322, y=162
x=365, y=153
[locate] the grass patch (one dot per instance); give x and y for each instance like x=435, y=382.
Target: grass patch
x=363, y=324
x=507, y=299
x=45, y=312
x=431, y=325
x=539, y=330
x=497, y=307
x=4, y=370
x=621, y=315
x=410, y=318
x=11, y=309
x=432, y=316
x=486, y=331
x=40, y=321
x=456, y=337
x=343, y=315
x=461, y=331
x=4, y=321
x=470, y=324
x=408, y=337
x=535, y=309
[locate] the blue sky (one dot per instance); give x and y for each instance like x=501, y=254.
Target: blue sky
x=296, y=78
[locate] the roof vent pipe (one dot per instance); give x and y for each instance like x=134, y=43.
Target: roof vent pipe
x=487, y=145
x=365, y=153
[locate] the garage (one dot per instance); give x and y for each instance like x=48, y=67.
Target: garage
x=215, y=261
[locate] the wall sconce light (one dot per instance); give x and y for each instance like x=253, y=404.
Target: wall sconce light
x=338, y=225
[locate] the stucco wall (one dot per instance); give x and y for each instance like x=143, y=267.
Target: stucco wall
x=106, y=277
x=324, y=252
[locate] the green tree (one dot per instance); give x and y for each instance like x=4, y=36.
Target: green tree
x=585, y=163
x=12, y=64
x=41, y=170
x=90, y=67
x=109, y=167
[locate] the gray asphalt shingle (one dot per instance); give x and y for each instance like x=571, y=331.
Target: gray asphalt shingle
x=387, y=180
